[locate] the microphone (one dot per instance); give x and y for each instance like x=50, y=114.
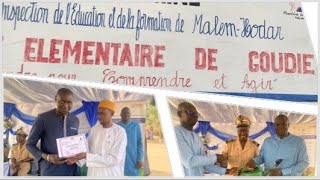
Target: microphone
x=278, y=161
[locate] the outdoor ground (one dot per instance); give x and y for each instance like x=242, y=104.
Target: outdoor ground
x=158, y=158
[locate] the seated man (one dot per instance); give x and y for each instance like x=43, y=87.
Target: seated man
x=289, y=149
x=194, y=159
x=20, y=156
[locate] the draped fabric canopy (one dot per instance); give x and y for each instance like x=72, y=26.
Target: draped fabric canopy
x=226, y=113
x=216, y=122
x=25, y=91
x=25, y=99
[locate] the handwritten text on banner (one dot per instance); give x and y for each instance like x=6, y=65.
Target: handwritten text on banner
x=216, y=47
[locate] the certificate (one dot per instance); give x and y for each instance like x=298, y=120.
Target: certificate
x=72, y=145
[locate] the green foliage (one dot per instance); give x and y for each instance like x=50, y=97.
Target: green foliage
x=152, y=118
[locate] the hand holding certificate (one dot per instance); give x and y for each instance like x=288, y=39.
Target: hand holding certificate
x=76, y=158
x=72, y=145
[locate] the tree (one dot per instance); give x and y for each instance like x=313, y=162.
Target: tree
x=152, y=118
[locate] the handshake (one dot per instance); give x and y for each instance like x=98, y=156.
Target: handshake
x=222, y=161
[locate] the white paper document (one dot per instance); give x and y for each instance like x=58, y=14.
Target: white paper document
x=72, y=145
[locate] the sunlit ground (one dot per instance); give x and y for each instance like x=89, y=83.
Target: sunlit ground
x=158, y=158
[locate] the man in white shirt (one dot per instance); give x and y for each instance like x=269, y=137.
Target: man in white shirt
x=107, y=143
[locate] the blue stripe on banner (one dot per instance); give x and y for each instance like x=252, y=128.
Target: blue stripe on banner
x=285, y=97
x=138, y=120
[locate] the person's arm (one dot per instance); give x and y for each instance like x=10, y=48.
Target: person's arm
x=13, y=160
x=225, y=151
x=140, y=145
x=215, y=169
x=34, y=136
x=188, y=158
x=28, y=159
x=80, y=161
x=13, y=163
x=114, y=157
x=301, y=164
x=260, y=158
x=12, y=157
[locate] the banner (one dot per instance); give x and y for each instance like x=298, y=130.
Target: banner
x=247, y=49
